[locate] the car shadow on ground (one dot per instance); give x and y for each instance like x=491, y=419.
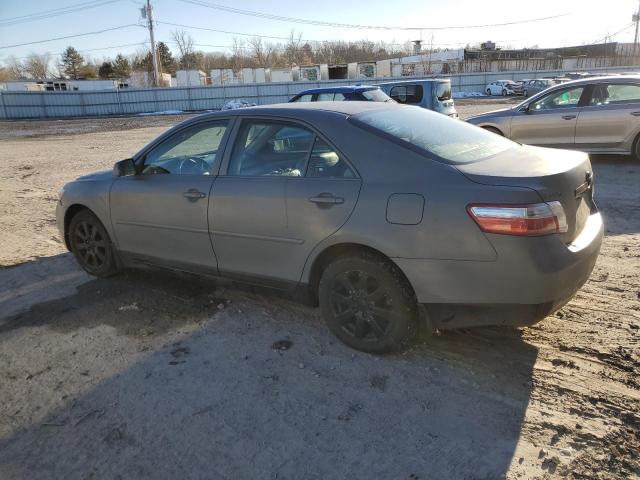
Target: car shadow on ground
x=230, y=383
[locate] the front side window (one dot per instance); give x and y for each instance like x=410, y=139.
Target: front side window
x=325, y=97
x=326, y=163
x=443, y=91
x=450, y=140
x=407, y=93
x=265, y=148
x=568, y=98
x=615, y=94
x=192, y=151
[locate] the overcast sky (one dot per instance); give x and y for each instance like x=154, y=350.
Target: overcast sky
x=587, y=21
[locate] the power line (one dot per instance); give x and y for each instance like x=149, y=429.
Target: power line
x=54, y=12
x=270, y=16
x=92, y=49
x=71, y=36
x=227, y=31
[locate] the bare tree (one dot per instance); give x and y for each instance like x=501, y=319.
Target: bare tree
x=37, y=66
x=15, y=68
x=185, y=46
x=262, y=53
x=293, y=49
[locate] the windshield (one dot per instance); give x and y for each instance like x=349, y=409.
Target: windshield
x=451, y=140
x=376, y=95
x=443, y=91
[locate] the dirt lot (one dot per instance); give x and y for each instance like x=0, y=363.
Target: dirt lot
x=159, y=376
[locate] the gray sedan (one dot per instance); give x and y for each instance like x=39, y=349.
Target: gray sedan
x=595, y=115
x=387, y=216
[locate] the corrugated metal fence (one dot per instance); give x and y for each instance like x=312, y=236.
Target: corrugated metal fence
x=16, y=105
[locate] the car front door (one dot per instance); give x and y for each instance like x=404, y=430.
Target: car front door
x=550, y=120
x=611, y=117
x=159, y=215
x=265, y=214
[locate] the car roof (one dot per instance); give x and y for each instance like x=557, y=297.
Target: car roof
x=339, y=89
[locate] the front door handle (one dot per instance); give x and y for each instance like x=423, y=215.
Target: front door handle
x=568, y=117
x=326, y=199
x=635, y=114
x=193, y=195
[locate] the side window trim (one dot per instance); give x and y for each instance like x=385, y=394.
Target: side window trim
x=235, y=130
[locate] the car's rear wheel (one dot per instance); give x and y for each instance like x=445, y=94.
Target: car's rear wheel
x=91, y=245
x=368, y=304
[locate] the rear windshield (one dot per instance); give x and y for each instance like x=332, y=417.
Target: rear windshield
x=453, y=141
x=376, y=95
x=443, y=91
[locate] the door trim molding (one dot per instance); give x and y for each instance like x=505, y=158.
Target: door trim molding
x=167, y=227
x=251, y=236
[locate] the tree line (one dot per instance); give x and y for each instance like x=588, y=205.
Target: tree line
x=254, y=52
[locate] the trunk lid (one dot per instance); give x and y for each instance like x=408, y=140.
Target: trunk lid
x=561, y=175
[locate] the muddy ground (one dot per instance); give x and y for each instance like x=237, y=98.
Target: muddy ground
x=151, y=375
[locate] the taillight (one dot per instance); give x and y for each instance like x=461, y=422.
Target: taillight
x=533, y=219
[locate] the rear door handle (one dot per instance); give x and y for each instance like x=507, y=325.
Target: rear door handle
x=568, y=117
x=326, y=199
x=635, y=114
x=193, y=194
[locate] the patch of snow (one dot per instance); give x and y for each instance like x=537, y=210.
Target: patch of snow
x=165, y=112
x=237, y=103
x=468, y=94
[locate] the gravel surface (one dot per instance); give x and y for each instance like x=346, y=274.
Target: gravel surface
x=150, y=375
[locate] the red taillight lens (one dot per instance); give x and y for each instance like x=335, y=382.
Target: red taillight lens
x=534, y=219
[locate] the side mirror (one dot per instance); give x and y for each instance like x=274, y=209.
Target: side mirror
x=124, y=168
x=525, y=109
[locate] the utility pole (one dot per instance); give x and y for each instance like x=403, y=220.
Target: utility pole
x=154, y=52
x=636, y=19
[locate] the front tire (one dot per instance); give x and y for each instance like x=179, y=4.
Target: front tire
x=489, y=91
x=91, y=245
x=525, y=93
x=368, y=304
x=504, y=93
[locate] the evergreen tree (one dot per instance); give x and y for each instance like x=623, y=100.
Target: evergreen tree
x=121, y=67
x=72, y=63
x=106, y=70
x=165, y=58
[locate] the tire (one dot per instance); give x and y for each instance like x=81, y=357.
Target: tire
x=635, y=152
x=493, y=130
x=91, y=245
x=368, y=304
x=504, y=93
x=489, y=91
x=525, y=93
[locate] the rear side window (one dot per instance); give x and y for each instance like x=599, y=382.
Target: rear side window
x=326, y=163
x=325, y=97
x=615, y=94
x=407, y=93
x=450, y=140
x=304, y=98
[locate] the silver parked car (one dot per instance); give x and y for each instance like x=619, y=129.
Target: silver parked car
x=532, y=87
x=386, y=215
x=595, y=115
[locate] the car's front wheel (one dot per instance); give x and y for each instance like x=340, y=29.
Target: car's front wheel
x=489, y=91
x=91, y=245
x=368, y=304
x=504, y=93
x=525, y=93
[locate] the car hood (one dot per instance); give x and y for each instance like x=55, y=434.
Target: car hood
x=96, y=176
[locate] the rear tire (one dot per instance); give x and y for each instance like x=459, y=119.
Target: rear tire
x=91, y=245
x=368, y=304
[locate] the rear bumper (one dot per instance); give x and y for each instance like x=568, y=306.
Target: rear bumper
x=527, y=271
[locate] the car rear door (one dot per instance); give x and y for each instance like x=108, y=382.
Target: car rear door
x=550, y=120
x=265, y=215
x=160, y=214
x=610, y=118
